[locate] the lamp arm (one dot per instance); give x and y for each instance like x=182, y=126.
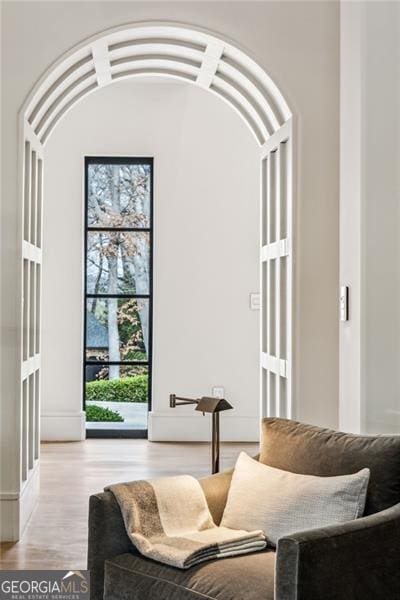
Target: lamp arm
x=181, y=401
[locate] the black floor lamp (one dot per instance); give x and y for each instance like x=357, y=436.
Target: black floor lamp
x=206, y=405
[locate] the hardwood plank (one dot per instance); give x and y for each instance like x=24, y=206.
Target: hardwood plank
x=56, y=536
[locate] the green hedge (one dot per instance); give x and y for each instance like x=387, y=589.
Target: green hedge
x=98, y=413
x=128, y=389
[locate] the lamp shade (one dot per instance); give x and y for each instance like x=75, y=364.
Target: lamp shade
x=207, y=404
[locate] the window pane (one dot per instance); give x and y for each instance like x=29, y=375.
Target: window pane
x=102, y=373
x=119, y=195
x=118, y=262
x=119, y=402
x=117, y=330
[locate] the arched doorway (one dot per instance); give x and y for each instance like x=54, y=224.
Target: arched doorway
x=198, y=58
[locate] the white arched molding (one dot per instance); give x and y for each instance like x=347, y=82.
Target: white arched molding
x=199, y=58
x=159, y=49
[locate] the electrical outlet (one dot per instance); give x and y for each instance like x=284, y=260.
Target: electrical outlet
x=218, y=392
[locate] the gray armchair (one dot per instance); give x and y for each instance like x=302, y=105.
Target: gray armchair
x=359, y=560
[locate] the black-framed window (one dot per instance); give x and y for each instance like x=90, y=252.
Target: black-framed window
x=118, y=295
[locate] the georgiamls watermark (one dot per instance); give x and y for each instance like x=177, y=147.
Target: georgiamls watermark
x=44, y=585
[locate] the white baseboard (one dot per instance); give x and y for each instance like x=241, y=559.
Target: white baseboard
x=9, y=518
x=16, y=508
x=62, y=427
x=174, y=427
x=28, y=499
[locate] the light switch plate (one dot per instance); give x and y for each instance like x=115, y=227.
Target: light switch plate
x=255, y=301
x=218, y=392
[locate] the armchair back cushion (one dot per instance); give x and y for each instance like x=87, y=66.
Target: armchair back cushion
x=311, y=450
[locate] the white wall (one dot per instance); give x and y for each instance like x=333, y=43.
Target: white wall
x=350, y=211
x=206, y=222
x=370, y=221
x=381, y=243
x=298, y=45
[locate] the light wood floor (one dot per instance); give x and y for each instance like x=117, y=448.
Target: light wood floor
x=56, y=536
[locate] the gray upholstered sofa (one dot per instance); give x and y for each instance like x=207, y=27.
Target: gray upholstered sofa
x=359, y=560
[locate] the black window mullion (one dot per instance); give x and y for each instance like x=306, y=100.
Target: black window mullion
x=126, y=229
x=118, y=363
x=123, y=296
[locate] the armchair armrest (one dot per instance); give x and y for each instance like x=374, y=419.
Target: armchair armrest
x=107, y=538
x=358, y=560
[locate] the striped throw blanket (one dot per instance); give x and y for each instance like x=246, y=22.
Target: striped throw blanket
x=168, y=520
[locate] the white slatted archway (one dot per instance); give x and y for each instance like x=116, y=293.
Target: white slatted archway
x=277, y=273
x=198, y=58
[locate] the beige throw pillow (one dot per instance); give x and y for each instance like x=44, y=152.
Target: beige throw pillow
x=280, y=503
